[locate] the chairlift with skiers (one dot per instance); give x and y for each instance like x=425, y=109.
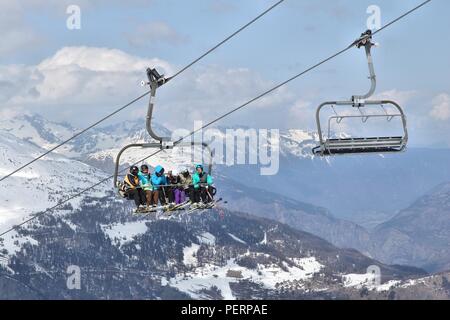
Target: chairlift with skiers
x=207, y=201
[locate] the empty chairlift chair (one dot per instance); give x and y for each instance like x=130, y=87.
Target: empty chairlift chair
x=361, y=110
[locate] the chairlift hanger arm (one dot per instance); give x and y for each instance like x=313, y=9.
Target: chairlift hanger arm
x=155, y=80
x=366, y=41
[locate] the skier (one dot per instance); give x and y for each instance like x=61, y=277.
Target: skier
x=145, y=183
x=133, y=189
x=178, y=190
x=186, y=184
x=158, y=180
x=172, y=181
x=202, y=182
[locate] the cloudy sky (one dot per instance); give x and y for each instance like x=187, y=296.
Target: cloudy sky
x=81, y=75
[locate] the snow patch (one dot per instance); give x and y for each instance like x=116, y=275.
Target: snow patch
x=189, y=255
x=207, y=238
x=236, y=238
x=13, y=242
x=125, y=232
x=209, y=275
x=366, y=280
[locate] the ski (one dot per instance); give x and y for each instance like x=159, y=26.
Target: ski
x=150, y=210
x=206, y=206
x=178, y=207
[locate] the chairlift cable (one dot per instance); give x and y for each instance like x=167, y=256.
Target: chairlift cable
x=36, y=215
x=401, y=17
x=227, y=38
x=295, y=76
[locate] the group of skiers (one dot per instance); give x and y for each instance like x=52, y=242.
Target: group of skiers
x=148, y=189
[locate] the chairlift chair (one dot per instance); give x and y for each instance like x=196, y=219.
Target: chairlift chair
x=155, y=80
x=330, y=145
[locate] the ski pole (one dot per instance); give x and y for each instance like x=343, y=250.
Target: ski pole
x=209, y=195
x=164, y=195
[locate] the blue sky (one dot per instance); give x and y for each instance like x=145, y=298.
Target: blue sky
x=412, y=62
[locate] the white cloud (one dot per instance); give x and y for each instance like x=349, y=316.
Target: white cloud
x=84, y=83
x=16, y=80
x=441, y=107
x=81, y=84
x=401, y=97
x=99, y=60
x=82, y=75
x=211, y=91
x=301, y=115
x=11, y=112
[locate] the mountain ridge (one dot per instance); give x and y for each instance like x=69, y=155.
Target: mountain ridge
x=264, y=201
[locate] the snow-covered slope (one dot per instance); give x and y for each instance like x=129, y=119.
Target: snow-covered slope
x=37, y=130
x=41, y=185
x=365, y=190
x=102, y=143
x=200, y=256
x=329, y=183
x=225, y=256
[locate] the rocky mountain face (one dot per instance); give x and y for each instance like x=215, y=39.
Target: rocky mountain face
x=367, y=190
x=302, y=216
x=418, y=235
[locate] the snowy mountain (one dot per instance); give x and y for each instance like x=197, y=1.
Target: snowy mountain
x=99, y=142
x=219, y=255
x=37, y=130
x=368, y=190
x=241, y=196
x=37, y=187
x=40, y=185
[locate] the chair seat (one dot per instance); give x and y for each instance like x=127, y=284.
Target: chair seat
x=361, y=145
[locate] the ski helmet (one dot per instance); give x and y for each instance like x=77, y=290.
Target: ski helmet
x=134, y=170
x=144, y=167
x=159, y=170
